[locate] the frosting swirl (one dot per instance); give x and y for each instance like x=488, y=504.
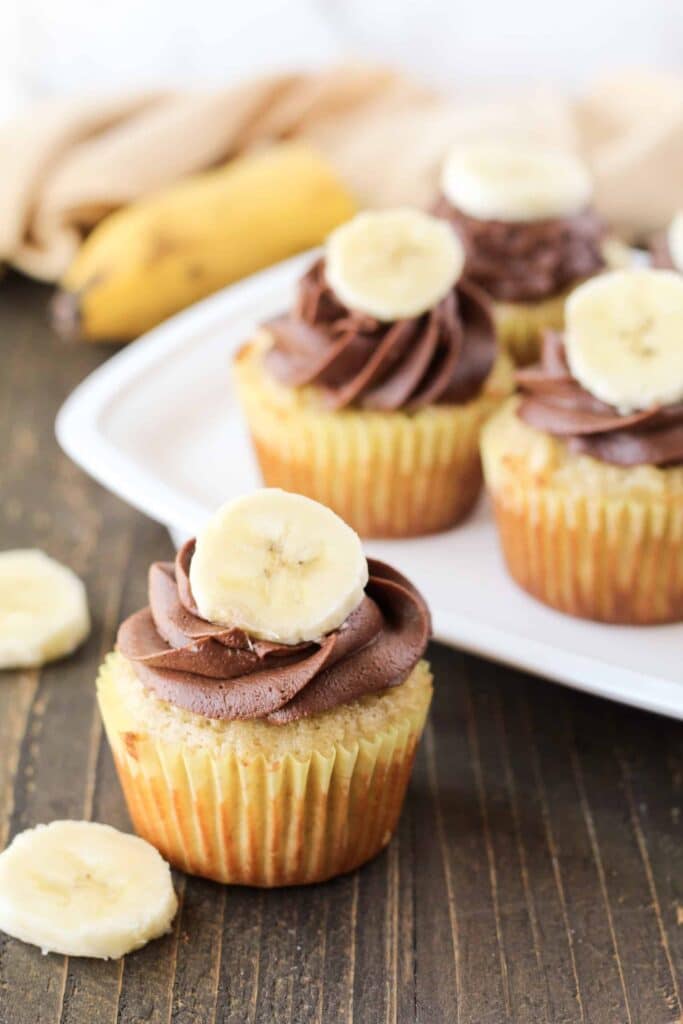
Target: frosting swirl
x=518, y=261
x=441, y=357
x=554, y=401
x=220, y=672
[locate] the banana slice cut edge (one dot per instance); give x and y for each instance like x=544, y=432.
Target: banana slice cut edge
x=393, y=264
x=675, y=240
x=624, y=338
x=514, y=181
x=43, y=609
x=280, y=566
x=84, y=889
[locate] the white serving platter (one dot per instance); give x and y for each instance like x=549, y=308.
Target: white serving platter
x=158, y=425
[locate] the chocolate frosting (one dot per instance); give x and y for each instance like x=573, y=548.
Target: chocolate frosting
x=441, y=357
x=660, y=253
x=521, y=261
x=554, y=401
x=220, y=672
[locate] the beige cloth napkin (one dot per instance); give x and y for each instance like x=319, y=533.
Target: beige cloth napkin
x=65, y=164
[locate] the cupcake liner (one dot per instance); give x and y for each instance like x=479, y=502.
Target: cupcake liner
x=253, y=818
x=591, y=539
x=612, y=560
x=388, y=474
x=520, y=325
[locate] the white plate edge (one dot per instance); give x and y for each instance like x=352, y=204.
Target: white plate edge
x=77, y=432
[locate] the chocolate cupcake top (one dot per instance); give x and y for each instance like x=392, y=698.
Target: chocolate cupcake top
x=527, y=261
x=383, y=322
x=555, y=402
x=443, y=356
x=524, y=218
x=221, y=670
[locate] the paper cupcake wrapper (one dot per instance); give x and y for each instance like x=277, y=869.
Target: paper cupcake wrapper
x=521, y=325
x=386, y=474
x=608, y=559
x=262, y=822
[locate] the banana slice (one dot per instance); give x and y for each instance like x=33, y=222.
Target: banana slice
x=514, y=181
x=84, y=889
x=624, y=338
x=43, y=609
x=279, y=566
x=393, y=264
x=675, y=239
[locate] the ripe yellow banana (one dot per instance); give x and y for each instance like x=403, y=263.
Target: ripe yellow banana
x=147, y=261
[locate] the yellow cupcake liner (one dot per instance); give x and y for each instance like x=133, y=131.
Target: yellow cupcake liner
x=230, y=810
x=591, y=540
x=520, y=325
x=388, y=474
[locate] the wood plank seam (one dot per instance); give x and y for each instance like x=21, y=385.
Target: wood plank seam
x=521, y=848
x=218, y=957
x=180, y=892
x=473, y=736
x=552, y=850
x=352, y=952
x=597, y=857
x=28, y=680
x=429, y=742
x=391, y=952
x=645, y=857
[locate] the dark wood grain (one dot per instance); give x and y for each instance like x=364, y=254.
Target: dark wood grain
x=536, y=877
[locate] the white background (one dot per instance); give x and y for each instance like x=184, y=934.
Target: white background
x=56, y=46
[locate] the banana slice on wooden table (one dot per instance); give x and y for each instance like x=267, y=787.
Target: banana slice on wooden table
x=84, y=889
x=43, y=609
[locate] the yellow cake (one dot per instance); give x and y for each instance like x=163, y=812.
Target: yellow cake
x=389, y=474
x=370, y=393
x=271, y=742
x=585, y=467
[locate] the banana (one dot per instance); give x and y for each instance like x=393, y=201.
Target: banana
x=675, y=240
x=43, y=609
x=514, y=181
x=84, y=889
x=279, y=566
x=392, y=264
x=149, y=260
x=624, y=338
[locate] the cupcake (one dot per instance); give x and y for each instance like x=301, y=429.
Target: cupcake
x=666, y=250
x=263, y=711
x=585, y=467
x=530, y=234
x=369, y=395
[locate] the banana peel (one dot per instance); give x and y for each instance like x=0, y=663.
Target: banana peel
x=149, y=260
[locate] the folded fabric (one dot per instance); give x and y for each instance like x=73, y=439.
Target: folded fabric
x=67, y=163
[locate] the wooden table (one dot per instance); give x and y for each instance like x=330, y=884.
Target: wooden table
x=537, y=875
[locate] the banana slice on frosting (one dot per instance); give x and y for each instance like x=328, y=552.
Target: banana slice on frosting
x=624, y=338
x=84, y=889
x=512, y=181
x=393, y=264
x=279, y=566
